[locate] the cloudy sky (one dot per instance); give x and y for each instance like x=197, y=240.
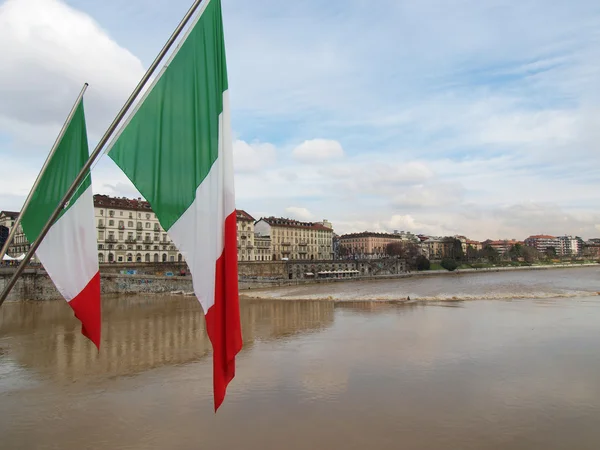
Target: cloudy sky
x=433, y=116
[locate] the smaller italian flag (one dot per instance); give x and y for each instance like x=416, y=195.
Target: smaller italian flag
x=68, y=251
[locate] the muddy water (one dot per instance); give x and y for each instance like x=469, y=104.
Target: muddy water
x=489, y=374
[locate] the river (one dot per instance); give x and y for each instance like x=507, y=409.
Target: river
x=517, y=369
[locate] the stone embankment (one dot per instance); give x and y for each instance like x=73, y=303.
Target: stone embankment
x=35, y=284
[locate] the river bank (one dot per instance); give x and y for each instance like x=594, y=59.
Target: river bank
x=263, y=284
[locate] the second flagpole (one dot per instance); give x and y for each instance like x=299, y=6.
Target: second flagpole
x=111, y=129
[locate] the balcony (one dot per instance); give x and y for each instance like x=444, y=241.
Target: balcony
x=303, y=243
x=121, y=227
x=286, y=244
x=101, y=225
x=286, y=252
x=111, y=240
x=131, y=240
x=147, y=241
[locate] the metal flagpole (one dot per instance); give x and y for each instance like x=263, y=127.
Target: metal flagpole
x=13, y=229
x=112, y=127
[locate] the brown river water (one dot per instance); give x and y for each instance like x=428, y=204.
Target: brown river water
x=517, y=369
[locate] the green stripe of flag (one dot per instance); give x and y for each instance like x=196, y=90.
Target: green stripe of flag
x=171, y=142
x=64, y=166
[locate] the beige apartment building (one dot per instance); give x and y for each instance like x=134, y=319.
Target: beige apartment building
x=245, y=236
x=292, y=239
x=128, y=231
x=369, y=244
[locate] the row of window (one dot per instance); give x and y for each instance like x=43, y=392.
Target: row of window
x=130, y=224
x=139, y=258
x=111, y=213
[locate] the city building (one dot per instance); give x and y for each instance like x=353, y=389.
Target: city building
x=128, y=231
x=475, y=245
x=433, y=247
x=569, y=246
x=245, y=236
x=19, y=244
x=7, y=221
x=541, y=242
x=591, y=249
x=262, y=248
x=369, y=244
x=501, y=246
x=292, y=239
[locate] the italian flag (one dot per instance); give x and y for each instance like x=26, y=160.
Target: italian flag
x=176, y=148
x=68, y=251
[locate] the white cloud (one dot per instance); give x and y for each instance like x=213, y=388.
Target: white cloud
x=253, y=157
x=299, y=213
x=48, y=51
x=316, y=151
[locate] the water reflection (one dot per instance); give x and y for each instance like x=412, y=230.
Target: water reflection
x=488, y=375
x=139, y=333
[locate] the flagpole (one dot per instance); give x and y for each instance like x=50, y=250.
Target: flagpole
x=111, y=129
x=13, y=230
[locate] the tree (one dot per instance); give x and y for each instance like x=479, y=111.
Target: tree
x=530, y=254
x=394, y=249
x=343, y=251
x=449, y=264
x=457, y=250
x=422, y=263
x=551, y=252
x=471, y=253
x=409, y=251
x=515, y=252
x=490, y=253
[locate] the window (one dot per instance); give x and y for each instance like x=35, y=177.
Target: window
x=111, y=223
x=100, y=258
x=111, y=213
x=101, y=212
x=100, y=246
x=148, y=216
x=147, y=224
x=130, y=224
x=131, y=215
x=120, y=213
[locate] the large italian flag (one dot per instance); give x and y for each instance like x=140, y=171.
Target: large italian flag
x=68, y=251
x=176, y=148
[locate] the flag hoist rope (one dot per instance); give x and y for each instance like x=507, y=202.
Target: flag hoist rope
x=13, y=229
x=111, y=129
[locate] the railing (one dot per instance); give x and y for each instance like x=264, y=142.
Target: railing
x=131, y=240
x=111, y=240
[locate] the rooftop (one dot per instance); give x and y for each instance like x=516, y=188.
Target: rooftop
x=371, y=234
x=243, y=215
x=105, y=201
x=11, y=214
x=291, y=223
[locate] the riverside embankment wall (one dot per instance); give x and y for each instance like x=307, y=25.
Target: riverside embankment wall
x=34, y=284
